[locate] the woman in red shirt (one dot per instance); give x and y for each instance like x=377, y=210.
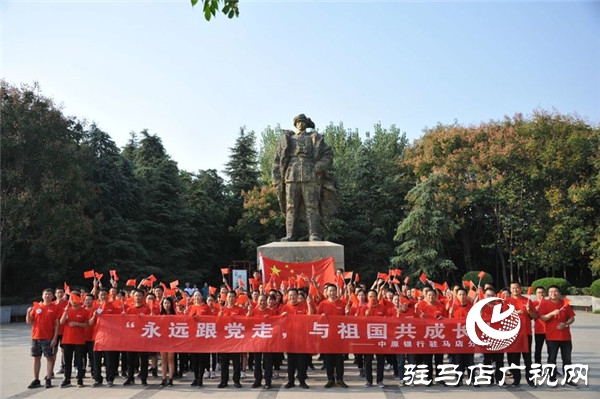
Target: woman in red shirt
x=76, y=320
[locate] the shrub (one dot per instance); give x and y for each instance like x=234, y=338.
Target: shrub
x=472, y=276
x=573, y=291
x=548, y=281
x=595, y=288
x=586, y=291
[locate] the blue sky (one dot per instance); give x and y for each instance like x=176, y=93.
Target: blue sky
x=158, y=65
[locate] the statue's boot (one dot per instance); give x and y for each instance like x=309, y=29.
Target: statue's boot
x=313, y=228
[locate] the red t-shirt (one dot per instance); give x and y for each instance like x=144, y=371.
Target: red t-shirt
x=299, y=308
x=61, y=307
x=538, y=325
x=138, y=310
x=89, y=330
x=234, y=311
x=44, y=320
x=263, y=312
x=459, y=311
x=75, y=335
x=202, y=310
x=566, y=312
x=521, y=305
x=379, y=310
x=431, y=311
x=337, y=308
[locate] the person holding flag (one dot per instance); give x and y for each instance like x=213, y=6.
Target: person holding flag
x=296, y=361
x=373, y=309
x=539, y=326
x=334, y=362
x=138, y=307
x=230, y=308
x=526, y=312
x=44, y=318
x=200, y=361
x=75, y=319
x=104, y=307
x=558, y=316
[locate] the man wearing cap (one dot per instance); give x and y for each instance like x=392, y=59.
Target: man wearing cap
x=300, y=174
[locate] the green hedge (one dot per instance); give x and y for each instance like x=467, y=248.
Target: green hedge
x=595, y=288
x=548, y=281
x=472, y=276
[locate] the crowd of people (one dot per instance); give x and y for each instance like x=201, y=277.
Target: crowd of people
x=63, y=330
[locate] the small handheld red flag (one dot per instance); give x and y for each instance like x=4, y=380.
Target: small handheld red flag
x=88, y=274
x=174, y=284
x=151, y=278
x=382, y=276
x=212, y=290
x=529, y=290
x=481, y=275
x=98, y=276
x=423, y=278
x=66, y=288
x=130, y=282
x=356, y=277
x=113, y=274
x=348, y=275
x=406, y=279
x=224, y=270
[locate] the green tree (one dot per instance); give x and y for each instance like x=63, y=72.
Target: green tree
x=211, y=7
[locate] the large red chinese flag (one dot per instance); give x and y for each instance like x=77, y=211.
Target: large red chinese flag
x=324, y=270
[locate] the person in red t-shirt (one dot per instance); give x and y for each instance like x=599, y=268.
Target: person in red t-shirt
x=88, y=354
x=334, y=362
x=492, y=358
x=296, y=361
x=104, y=307
x=459, y=309
x=558, y=316
x=137, y=308
x=75, y=318
x=60, y=302
x=44, y=334
x=524, y=308
x=262, y=360
x=374, y=309
x=230, y=308
x=539, y=326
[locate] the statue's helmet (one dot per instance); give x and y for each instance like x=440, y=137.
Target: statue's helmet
x=299, y=118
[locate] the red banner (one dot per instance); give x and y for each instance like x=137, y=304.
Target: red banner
x=291, y=334
x=277, y=271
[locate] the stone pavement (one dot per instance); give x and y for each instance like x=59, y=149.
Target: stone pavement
x=16, y=375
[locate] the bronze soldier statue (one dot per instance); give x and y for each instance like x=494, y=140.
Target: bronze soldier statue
x=304, y=189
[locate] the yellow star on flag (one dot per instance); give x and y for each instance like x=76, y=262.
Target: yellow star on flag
x=275, y=270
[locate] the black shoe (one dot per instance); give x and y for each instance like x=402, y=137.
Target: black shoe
x=303, y=385
x=80, y=382
x=531, y=384
x=163, y=383
x=200, y=383
x=268, y=386
x=194, y=383
x=237, y=385
x=96, y=384
x=144, y=382
x=65, y=383
x=110, y=384
x=48, y=383
x=516, y=383
x=330, y=384
x=154, y=372
x=256, y=384
x=129, y=381
x=35, y=384
x=342, y=384
x=222, y=385
x=170, y=382
x=289, y=385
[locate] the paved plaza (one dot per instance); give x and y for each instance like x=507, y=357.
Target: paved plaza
x=17, y=374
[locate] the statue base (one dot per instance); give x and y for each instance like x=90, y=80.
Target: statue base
x=302, y=251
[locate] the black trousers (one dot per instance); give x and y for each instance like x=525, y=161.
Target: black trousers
x=200, y=362
x=131, y=361
x=110, y=362
x=369, y=367
x=263, y=361
x=566, y=347
x=297, y=362
x=539, y=343
x=498, y=360
x=334, y=365
x=426, y=359
x=515, y=358
x=78, y=351
x=236, y=359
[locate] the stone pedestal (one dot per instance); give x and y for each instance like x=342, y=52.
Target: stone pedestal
x=302, y=251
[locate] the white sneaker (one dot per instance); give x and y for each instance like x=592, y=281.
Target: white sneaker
x=206, y=374
x=218, y=367
x=243, y=374
x=275, y=373
x=212, y=375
